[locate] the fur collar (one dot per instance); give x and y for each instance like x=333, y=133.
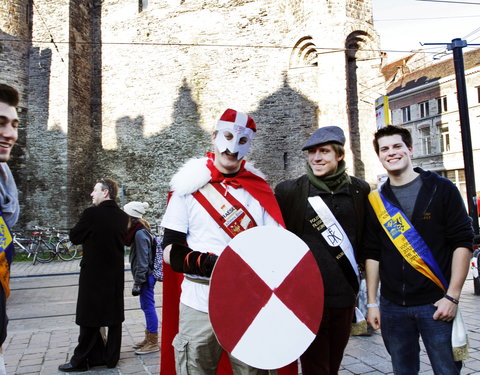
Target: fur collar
x=194, y=174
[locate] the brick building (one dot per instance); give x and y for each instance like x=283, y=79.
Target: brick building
x=423, y=98
x=131, y=88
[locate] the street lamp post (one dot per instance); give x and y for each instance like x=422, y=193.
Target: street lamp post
x=456, y=46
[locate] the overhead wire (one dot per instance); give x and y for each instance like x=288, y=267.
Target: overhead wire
x=52, y=40
x=422, y=18
x=205, y=45
x=472, y=33
x=450, y=1
x=325, y=50
x=474, y=39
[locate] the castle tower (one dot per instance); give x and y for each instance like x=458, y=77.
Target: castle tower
x=130, y=89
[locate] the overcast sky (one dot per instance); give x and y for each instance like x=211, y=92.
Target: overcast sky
x=404, y=24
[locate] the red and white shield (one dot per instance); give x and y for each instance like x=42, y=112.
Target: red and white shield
x=266, y=297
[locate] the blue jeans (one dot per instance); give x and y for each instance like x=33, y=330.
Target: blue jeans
x=147, y=303
x=401, y=328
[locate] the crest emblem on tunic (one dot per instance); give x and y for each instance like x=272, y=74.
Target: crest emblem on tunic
x=5, y=236
x=397, y=225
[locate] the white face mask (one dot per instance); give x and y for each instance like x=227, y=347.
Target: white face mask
x=234, y=138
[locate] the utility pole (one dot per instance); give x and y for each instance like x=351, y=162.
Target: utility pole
x=456, y=46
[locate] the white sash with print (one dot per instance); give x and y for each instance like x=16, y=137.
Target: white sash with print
x=334, y=233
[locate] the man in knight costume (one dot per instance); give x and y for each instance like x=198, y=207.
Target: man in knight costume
x=213, y=199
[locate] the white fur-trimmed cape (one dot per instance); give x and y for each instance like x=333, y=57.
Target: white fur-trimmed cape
x=194, y=174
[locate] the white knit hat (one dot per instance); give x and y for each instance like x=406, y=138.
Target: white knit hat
x=136, y=209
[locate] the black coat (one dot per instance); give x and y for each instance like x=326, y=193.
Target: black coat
x=101, y=230
x=349, y=208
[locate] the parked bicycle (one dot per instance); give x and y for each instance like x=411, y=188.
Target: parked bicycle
x=76, y=250
x=46, y=244
x=23, y=243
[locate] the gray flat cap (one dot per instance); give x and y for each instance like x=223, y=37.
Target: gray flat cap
x=327, y=134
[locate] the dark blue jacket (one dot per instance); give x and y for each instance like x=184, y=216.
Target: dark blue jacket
x=141, y=257
x=441, y=219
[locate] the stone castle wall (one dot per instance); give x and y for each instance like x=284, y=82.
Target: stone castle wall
x=132, y=94
x=14, y=52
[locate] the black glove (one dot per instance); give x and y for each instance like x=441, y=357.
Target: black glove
x=136, y=289
x=185, y=260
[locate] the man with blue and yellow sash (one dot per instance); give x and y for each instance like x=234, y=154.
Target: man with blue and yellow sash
x=9, y=208
x=418, y=244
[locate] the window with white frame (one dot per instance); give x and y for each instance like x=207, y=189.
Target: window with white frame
x=406, y=114
x=457, y=176
x=442, y=104
x=425, y=139
x=424, y=109
x=444, y=138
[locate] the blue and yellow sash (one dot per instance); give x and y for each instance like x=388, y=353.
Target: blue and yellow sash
x=406, y=239
x=6, y=255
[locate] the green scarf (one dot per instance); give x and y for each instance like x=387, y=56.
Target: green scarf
x=332, y=182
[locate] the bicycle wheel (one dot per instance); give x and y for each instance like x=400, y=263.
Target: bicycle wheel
x=66, y=250
x=43, y=254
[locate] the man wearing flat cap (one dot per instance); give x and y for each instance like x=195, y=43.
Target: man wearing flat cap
x=326, y=207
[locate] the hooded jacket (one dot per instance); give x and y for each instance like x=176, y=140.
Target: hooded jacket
x=440, y=217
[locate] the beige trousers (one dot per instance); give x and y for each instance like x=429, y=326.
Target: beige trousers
x=197, y=351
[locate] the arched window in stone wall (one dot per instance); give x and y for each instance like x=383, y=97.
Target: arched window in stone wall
x=304, y=53
x=363, y=87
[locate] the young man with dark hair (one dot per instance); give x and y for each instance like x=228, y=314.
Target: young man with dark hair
x=101, y=230
x=326, y=207
x=391, y=131
x=418, y=243
x=9, y=207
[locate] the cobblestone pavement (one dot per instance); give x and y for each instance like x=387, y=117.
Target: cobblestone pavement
x=42, y=331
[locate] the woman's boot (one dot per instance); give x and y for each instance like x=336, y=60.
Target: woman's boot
x=143, y=342
x=151, y=346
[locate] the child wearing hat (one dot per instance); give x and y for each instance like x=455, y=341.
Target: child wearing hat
x=141, y=261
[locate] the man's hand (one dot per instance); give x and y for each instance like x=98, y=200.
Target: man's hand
x=373, y=317
x=446, y=310
x=136, y=289
x=372, y=268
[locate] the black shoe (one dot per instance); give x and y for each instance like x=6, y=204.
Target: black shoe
x=68, y=367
